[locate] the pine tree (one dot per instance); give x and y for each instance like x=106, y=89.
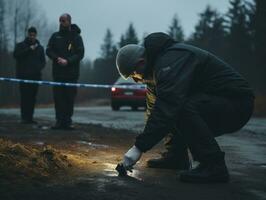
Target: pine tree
x=130, y=37
x=3, y=36
x=239, y=39
x=238, y=19
x=260, y=43
x=105, y=67
x=210, y=31
x=176, y=30
x=108, y=48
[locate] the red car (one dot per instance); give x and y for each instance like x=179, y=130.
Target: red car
x=128, y=97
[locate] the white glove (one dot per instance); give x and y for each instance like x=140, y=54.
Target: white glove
x=131, y=157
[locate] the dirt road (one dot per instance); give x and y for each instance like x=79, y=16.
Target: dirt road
x=95, y=151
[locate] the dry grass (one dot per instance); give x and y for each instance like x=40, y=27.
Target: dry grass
x=21, y=161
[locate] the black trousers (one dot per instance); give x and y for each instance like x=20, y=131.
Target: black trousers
x=64, y=98
x=204, y=117
x=176, y=146
x=28, y=93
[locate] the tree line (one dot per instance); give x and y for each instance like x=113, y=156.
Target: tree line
x=16, y=17
x=238, y=36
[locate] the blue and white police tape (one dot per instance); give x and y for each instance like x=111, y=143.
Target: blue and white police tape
x=79, y=85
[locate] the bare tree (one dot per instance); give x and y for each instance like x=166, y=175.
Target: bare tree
x=2, y=25
x=16, y=21
x=25, y=13
x=16, y=16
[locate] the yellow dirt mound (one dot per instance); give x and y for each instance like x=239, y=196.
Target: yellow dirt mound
x=17, y=160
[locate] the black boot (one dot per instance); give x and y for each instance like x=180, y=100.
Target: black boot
x=206, y=173
x=170, y=162
x=58, y=126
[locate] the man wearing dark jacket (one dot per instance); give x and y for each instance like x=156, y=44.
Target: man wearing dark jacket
x=30, y=58
x=196, y=93
x=66, y=50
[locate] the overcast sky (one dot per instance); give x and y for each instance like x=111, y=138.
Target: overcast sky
x=95, y=16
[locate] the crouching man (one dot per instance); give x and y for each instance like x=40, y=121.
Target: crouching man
x=195, y=93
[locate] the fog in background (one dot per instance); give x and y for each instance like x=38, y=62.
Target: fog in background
x=95, y=16
x=234, y=30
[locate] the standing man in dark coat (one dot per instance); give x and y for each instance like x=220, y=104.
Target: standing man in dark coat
x=66, y=50
x=196, y=93
x=30, y=58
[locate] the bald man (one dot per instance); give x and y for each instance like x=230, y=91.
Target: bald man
x=66, y=50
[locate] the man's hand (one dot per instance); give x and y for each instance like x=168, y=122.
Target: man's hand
x=131, y=157
x=33, y=47
x=62, y=61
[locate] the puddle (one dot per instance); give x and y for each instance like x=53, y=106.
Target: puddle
x=93, y=145
x=110, y=170
x=258, y=193
x=263, y=165
x=40, y=127
x=44, y=127
x=39, y=143
x=237, y=173
x=110, y=173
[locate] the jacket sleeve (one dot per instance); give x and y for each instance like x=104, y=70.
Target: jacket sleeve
x=42, y=58
x=78, y=52
x=21, y=50
x=172, y=86
x=50, y=49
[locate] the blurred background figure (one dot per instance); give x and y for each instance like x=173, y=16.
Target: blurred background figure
x=66, y=50
x=30, y=60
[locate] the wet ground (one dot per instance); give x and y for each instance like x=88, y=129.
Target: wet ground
x=104, y=115
x=123, y=119
x=95, y=150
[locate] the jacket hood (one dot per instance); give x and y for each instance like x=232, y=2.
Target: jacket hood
x=75, y=28
x=155, y=44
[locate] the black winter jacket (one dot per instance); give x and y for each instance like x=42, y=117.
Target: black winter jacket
x=176, y=71
x=29, y=62
x=67, y=45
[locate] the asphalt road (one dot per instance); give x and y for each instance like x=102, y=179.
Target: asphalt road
x=123, y=119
